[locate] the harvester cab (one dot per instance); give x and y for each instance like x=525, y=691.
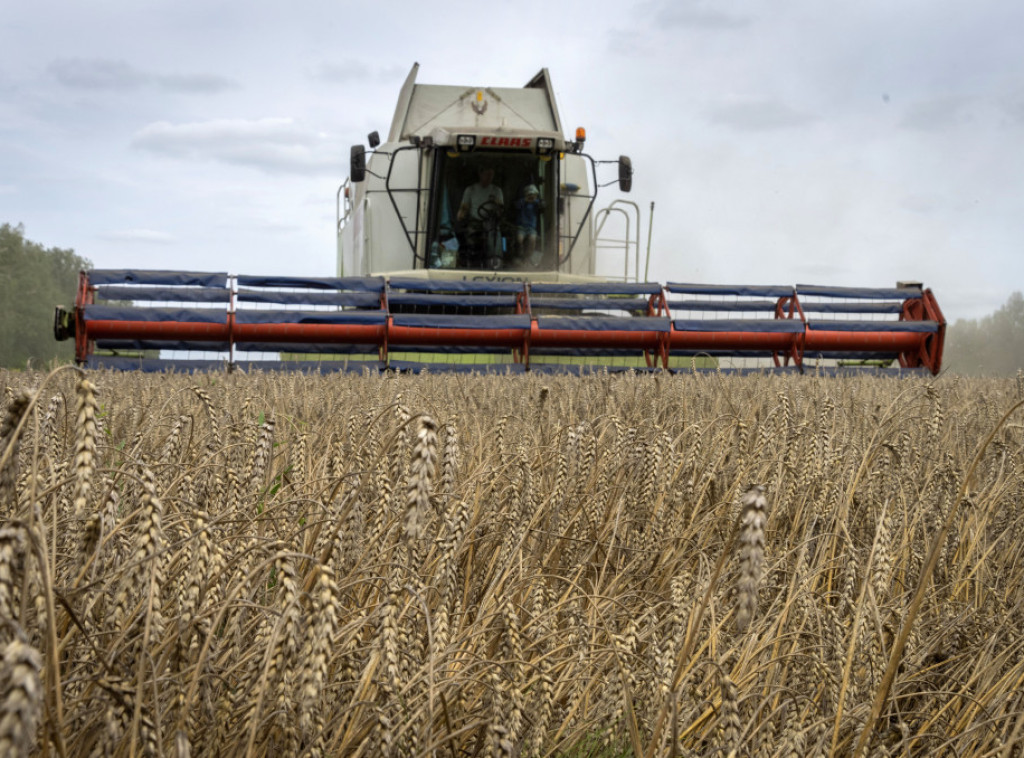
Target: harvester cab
x=473, y=183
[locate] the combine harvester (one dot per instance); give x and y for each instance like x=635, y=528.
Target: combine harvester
x=502, y=275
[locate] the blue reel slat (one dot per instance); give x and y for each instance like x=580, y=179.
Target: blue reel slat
x=740, y=290
x=604, y=323
x=864, y=293
x=873, y=326
x=349, y=299
x=445, y=321
x=164, y=294
x=126, y=313
x=211, y=347
x=142, y=276
x=346, y=283
x=568, y=303
x=602, y=288
x=722, y=305
x=859, y=307
x=310, y=317
x=457, y=301
x=787, y=325
x=452, y=285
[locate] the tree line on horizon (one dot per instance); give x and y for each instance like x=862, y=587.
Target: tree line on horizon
x=992, y=345
x=35, y=279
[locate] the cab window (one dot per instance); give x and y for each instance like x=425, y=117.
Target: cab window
x=493, y=211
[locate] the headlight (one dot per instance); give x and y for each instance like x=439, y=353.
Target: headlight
x=545, y=145
x=466, y=142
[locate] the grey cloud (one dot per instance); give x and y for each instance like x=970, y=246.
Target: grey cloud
x=819, y=271
x=148, y=236
x=629, y=43
x=1011, y=105
x=1015, y=110
x=695, y=14
x=919, y=203
x=937, y=114
x=116, y=75
x=349, y=71
x=97, y=74
x=341, y=73
x=276, y=145
x=198, y=83
x=279, y=227
x=759, y=116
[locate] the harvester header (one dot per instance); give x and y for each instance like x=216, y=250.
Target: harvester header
x=412, y=323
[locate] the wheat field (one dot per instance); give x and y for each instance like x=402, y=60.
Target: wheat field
x=609, y=565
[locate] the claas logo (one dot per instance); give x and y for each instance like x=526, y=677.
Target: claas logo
x=524, y=142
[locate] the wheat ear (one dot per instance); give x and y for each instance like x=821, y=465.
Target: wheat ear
x=320, y=639
x=421, y=473
x=751, y=548
x=8, y=446
x=84, y=465
x=22, y=700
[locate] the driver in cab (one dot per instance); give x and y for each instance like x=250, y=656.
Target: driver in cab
x=481, y=202
x=484, y=191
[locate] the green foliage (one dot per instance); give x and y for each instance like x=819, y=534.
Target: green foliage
x=33, y=281
x=989, y=346
x=600, y=745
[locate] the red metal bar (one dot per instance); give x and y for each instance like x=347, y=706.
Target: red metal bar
x=593, y=338
x=770, y=341
x=657, y=305
x=932, y=351
x=788, y=306
x=83, y=297
x=160, y=330
x=377, y=334
x=427, y=336
x=893, y=342
x=358, y=334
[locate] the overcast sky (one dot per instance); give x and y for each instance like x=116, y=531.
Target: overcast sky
x=794, y=141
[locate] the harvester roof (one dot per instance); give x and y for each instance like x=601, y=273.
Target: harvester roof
x=424, y=109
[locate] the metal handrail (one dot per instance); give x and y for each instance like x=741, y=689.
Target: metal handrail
x=603, y=215
x=339, y=219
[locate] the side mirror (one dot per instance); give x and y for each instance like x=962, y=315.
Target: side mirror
x=374, y=139
x=625, y=173
x=357, y=164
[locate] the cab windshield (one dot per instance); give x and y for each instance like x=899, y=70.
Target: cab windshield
x=493, y=211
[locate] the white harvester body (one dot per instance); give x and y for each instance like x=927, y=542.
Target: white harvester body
x=401, y=217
